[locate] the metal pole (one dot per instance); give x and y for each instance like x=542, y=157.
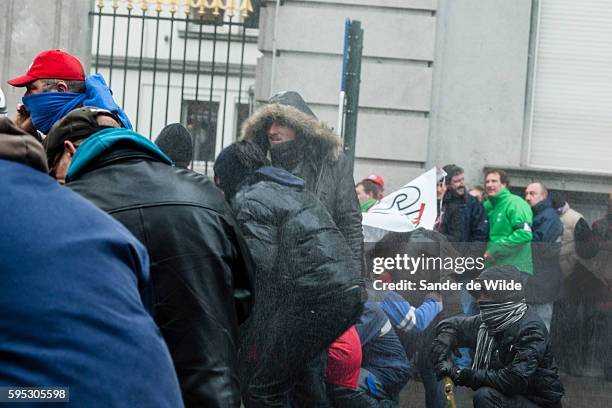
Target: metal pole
x=353, y=80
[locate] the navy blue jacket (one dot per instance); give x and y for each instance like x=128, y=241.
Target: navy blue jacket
x=72, y=314
x=383, y=354
x=545, y=285
x=465, y=224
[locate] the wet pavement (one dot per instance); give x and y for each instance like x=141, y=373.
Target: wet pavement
x=580, y=392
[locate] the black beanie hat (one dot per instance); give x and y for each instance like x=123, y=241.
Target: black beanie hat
x=235, y=164
x=451, y=171
x=176, y=141
x=505, y=273
x=557, y=199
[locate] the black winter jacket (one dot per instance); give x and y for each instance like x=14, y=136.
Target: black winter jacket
x=465, y=224
x=200, y=267
x=522, y=362
x=307, y=290
x=326, y=171
x=545, y=284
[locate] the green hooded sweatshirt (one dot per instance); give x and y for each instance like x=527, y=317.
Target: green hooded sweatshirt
x=510, y=221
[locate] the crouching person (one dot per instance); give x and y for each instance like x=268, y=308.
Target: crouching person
x=307, y=288
x=513, y=364
x=367, y=365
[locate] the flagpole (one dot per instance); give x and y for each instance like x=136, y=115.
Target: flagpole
x=347, y=25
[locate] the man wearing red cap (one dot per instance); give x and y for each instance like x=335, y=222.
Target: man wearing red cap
x=56, y=84
x=369, y=191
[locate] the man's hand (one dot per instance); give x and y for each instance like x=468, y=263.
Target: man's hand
x=23, y=119
x=446, y=369
x=487, y=256
x=440, y=350
x=464, y=377
x=434, y=295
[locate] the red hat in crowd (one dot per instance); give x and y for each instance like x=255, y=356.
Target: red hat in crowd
x=55, y=64
x=376, y=179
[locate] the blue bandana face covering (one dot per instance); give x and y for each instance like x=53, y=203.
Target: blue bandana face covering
x=46, y=108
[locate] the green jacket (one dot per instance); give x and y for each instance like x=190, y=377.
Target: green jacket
x=365, y=207
x=510, y=221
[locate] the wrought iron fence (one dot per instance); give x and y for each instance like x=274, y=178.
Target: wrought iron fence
x=189, y=61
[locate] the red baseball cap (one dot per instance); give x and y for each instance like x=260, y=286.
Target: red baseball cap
x=51, y=64
x=376, y=179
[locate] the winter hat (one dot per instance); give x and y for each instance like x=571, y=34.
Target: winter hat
x=235, y=164
x=292, y=98
x=492, y=282
x=176, y=141
x=78, y=124
x=451, y=171
x=557, y=199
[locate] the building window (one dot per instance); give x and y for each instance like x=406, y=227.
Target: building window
x=242, y=113
x=570, y=119
x=201, y=120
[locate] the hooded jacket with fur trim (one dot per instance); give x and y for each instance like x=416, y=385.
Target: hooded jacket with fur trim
x=326, y=171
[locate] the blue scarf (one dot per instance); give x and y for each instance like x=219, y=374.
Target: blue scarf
x=46, y=108
x=103, y=141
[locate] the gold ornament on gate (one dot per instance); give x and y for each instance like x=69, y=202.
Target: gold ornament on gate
x=246, y=8
x=215, y=6
x=202, y=6
x=230, y=7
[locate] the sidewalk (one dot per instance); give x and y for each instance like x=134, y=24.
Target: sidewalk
x=580, y=392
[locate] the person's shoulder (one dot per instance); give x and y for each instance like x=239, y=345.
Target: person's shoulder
x=531, y=322
x=518, y=202
x=551, y=215
x=472, y=202
x=190, y=187
x=267, y=194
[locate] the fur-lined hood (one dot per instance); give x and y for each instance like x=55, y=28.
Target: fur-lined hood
x=320, y=139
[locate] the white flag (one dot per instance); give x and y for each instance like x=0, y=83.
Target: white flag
x=410, y=207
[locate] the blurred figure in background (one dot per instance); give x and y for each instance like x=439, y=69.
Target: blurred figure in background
x=369, y=191
x=544, y=287
x=176, y=141
x=478, y=193
x=307, y=289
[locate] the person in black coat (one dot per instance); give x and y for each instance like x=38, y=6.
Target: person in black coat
x=306, y=287
x=465, y=221
x=200, y=267
x=513, y=362
x=298, y=142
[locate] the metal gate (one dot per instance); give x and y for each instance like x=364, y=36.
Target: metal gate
x=190, y=61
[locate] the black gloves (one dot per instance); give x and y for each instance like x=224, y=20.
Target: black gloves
x=464, y=377
x=441, y=348
x=446, y=369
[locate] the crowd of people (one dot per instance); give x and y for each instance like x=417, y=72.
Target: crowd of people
x=564, y=263
x=137, y=282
